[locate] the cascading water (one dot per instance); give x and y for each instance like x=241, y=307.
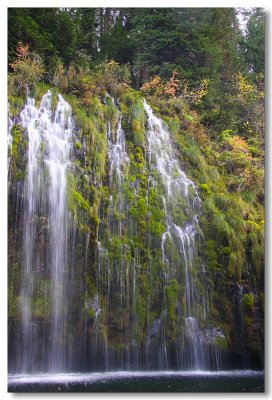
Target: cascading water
x=9, y=136
x=178, y=188
x=112, y=273
x=129, y=295
x=58, y=142
x=46, y=218
x=118, y=160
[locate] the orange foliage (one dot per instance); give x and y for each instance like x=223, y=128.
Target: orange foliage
x=238, y=144
x=22, y=53
x=153, y=87
x=172, y=87
x=176, y=88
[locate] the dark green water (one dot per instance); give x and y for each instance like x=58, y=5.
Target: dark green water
x=116, y=382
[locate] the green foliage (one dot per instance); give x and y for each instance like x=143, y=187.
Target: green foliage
x=252, y=43
x=171, y=294
x=138, y=132
x=42, y=29
x=248, y=301
x=139, y=211
x=141, y=310
x=210, y=254
x=18, y=152
x=156, y=228
x=16, y=104
x=78, y=145
x=205, y=188
x=79, y=201
x=12, y=304
x=221, y=343
x=28, y=70
x=219, y=142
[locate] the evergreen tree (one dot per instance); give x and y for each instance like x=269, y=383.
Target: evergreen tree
x=253, y=42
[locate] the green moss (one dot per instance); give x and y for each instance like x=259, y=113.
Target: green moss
x=210, y=254
x=205, y=188
x=221, y=343
x=138, y=132
x=12, y=304
x=174, y=125
x=141, y=310
x=111, y=113
x=91, y=312
x=156, y=228
x=231, y=216
x=248, y=301
x=41, y=307
x=116, y=248
x=225, y=251
x=189, y=118
x=18, y=153
x=214, y=312
x=171, y=295
x=17, y=139
x=80, y=201
x=248, y=320
x=139, y=211
x=16, y=103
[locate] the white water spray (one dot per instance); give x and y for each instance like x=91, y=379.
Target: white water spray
x=49, y=145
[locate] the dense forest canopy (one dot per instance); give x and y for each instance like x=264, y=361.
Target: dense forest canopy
x=204, y=76
x=197, y=43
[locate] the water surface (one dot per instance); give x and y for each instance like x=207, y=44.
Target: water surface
x=144, y=381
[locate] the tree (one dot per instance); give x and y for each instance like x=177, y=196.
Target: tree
x=85, y=20
x=51, y=32
x=22, y=27
x=253, y=42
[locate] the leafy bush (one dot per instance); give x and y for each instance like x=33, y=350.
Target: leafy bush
x=28, y=70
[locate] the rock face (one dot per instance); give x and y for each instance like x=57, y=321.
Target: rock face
x=133, y=266
x=212, y=333
x=154, y=331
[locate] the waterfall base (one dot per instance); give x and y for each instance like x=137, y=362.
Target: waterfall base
x=141, y=381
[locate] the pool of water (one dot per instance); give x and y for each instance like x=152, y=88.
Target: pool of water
x=142, y=381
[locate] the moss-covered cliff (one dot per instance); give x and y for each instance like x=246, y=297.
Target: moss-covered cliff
x=122, y=310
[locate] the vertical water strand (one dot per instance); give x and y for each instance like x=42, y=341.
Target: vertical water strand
x=9, y=136
x=46, y=226
x=242, y=289
x=58, y=142
x=32, y=195
x=103, y=284
x=181, y=231
x=118, y=161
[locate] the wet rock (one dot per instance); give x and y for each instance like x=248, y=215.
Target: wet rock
x=210, y=334
x=154, y=331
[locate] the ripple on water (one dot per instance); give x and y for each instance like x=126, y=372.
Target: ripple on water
x=141, y=381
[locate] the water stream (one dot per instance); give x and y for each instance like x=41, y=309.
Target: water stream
x=162, y=158
x=91, y=314
x=45, y=220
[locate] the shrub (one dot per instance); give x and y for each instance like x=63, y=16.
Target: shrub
x=28, y=70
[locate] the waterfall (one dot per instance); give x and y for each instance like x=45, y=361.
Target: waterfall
x=9, y=136
x=118, y=161
x=58, y=143
x=111, y=272
x=181, y=238
x=129, y=296
x=45, y=235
